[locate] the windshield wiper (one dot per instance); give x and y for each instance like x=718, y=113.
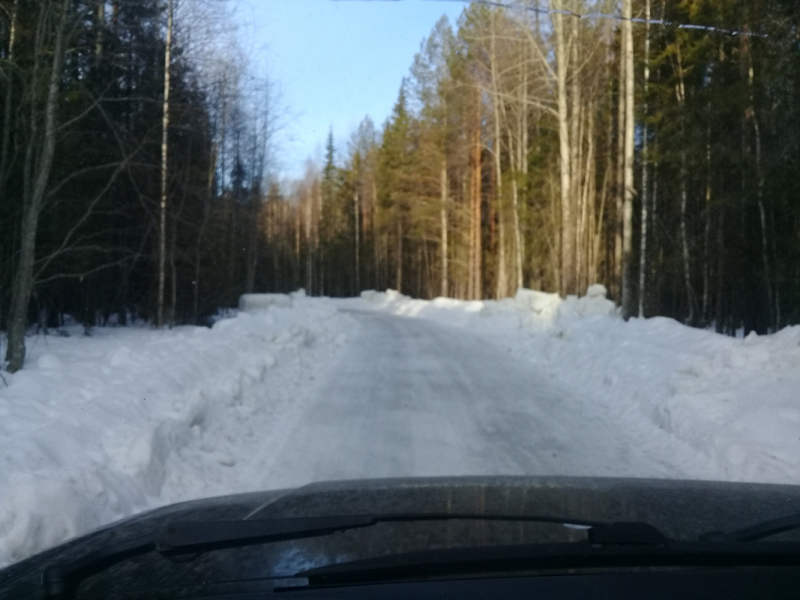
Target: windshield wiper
x=759, y=531
x=541, y=557
x=608, y=545
x=618, y=542
x=61, y=580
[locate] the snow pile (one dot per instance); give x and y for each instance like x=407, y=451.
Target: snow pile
x=252, y=302
x=98, y=428
x=529, y=308
x=396, y=303
x=740, y=402
x=734, y=402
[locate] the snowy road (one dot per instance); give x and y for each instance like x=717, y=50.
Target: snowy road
x=316, y=389
x=413, y=397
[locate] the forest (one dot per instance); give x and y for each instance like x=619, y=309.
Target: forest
x=647, y=145
x=128, y=191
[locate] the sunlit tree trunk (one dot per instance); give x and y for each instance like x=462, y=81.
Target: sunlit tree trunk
x=309, y=206
x=476, y=291
x=376, y=246
x=399, y=274
x=575, y=146
x=502, y=278
x=357, y=249
x=162, y=229
x=522, y=164
x=443, y=215
x=619, y=196
x=567, y=234
x=628, y=299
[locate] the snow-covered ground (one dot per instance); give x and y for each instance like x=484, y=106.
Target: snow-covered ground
x=97, y=428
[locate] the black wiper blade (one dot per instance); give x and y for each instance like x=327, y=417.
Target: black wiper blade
x=539, y=557
x=759, y=531
x=61, y=580
x=190, y=537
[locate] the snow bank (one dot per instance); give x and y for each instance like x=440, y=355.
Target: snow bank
x=528, y=308
x=98, y=428
x=732, y=406
x=253, y=302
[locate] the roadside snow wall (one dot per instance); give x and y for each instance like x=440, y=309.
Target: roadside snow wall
x=733, y=402
x=97, y=428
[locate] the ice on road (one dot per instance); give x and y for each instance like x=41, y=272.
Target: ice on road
x=409, y=397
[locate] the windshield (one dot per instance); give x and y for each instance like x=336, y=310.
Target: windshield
x=251, y=245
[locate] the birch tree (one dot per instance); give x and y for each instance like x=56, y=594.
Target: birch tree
x=567, y=233
x=162, y=228
x=628, y=298
x=52, y=26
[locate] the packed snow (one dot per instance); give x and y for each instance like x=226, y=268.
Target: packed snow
x=285, y=392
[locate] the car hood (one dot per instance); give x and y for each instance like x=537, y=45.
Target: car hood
x=679, y=509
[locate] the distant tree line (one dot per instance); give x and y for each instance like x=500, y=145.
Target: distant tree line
x=530, y=147
x=85, y=126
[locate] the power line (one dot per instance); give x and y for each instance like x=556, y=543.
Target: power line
x=616, y=17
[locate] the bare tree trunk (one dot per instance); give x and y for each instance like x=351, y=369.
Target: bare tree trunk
x=620, y=179
x=471, y=250
x=685, y=240
x=35, y=184
x=201, y=234
x=173, y=275
x=309, y=243
x=475, y=201
x=5, y=165
x=514, y=155
x=252, y=238
x=501, y=290
x=567, y=235
x=628, y=299
x=575, y=146
x=502, y=279
x=296, y=262
x=517, y=236
x=707, y=231
x=720, y=303
x=162, y=230
x=522, y=165
x=375, y=234
x=587, y=198
x=357, y=214
x=681, y=93
x=399, y=276
x=101, y=22
x=443, y=214
x=643, y=243
x=760, y=175
x=320, y=246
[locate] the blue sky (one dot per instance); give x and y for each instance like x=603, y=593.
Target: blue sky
x=337, y=61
